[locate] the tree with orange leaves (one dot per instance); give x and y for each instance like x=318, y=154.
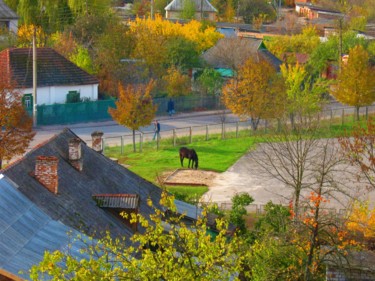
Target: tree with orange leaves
x=15, y=124
x=134, y=107
x=256, y=92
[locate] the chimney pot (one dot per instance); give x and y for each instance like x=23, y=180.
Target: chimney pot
x=75, y=149
x=46, y=172
x=97, y=143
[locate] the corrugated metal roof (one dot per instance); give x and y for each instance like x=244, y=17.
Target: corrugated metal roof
x=6, y=13
x=122, y=201
x=178, y=5
x=26, y=232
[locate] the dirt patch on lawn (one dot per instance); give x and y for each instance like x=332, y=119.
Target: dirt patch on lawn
x=190, y=177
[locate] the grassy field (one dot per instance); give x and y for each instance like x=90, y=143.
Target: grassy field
x=215, y=154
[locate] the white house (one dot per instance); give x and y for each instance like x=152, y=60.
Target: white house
x=57, y=77
x=8, y=18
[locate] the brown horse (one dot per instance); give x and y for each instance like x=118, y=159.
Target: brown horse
x=189, y=154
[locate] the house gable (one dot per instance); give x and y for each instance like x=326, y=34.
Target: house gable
x=204, y=7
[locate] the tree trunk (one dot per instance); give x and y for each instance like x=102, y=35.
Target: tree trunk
x=1, y=163
x=254, y=123
x=134, y=148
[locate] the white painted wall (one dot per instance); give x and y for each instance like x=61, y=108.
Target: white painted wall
x=13, y=26
x=57, y=94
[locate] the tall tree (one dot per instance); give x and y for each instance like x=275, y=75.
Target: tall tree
x=16, y=126
x=355, y=81
x=256, y=92
x=304, y=94
x=134, y=107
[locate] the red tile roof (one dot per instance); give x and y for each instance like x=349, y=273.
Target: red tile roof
x=16, y=64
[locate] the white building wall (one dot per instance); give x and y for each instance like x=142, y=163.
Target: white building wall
x=13, y=26
x=57, y=94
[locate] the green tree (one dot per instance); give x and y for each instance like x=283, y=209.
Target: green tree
x=250, y=9
x=167, y=249
x=188, y=10
x=238, y=210
x=182, y=53
x=134, y=107
x=16, y=126
x=304, y=94
x=355, y=82
x=210, y=81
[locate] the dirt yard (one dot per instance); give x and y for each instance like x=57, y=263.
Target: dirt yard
x=190, y=177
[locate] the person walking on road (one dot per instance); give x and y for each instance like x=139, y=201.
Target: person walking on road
x=157, y=130
x=171, y=110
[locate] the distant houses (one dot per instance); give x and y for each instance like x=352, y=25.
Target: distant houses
x=231, y=52
x=58, y=79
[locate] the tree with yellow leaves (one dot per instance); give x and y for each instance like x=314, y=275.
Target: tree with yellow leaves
x=355, y=81
x=167, y=249
x=134, y=107
x=177, y=83
x=257, y=92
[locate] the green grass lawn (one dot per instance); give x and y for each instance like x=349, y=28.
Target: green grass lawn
x=214, y=155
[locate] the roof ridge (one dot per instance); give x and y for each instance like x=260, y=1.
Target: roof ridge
x=34, y=149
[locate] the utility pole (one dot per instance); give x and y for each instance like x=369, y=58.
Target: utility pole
x=152, y=9
x=201, y=10
x=340, y=43
x=35, y=118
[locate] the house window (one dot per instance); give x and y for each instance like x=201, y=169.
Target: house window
x=72, y=97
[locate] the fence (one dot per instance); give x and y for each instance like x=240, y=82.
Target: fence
x=259, y=209
x=182, y=136
x=94, y=111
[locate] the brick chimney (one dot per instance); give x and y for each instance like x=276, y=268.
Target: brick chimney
x=75, y=153
x=97, y=142
x=46, y=172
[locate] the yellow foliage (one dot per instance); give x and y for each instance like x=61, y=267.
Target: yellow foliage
x=177, y=84
x=25, y=36
x=193, y=31
x=362, y=219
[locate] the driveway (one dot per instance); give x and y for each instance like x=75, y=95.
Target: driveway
x=247, y=176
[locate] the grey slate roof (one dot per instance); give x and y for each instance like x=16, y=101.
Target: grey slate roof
x=232, y=52
x=52, y=68
x=74, y=205
x=26, y=231
x=6, y=13
x=178, y=5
